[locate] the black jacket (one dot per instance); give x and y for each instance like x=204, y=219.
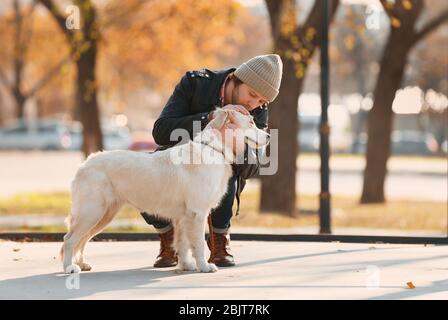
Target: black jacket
x=193, y=98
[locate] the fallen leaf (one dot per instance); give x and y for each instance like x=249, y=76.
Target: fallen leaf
x=410, y=285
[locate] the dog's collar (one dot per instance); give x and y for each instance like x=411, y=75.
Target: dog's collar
x=219, y=151
x=210, y=146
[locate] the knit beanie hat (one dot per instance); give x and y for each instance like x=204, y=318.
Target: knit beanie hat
x=263, y=74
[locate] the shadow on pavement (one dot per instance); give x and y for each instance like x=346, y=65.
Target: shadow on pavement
x=54, y=285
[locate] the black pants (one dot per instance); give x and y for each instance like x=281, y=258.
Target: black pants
x=220, y=216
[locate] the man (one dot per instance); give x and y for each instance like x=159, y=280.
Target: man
x=247, y=89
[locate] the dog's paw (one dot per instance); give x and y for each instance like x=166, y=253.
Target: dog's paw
x=84, y=266
x=187, y=266
x=72, y=268
x=208, y=267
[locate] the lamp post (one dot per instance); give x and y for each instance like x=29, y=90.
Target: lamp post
x=324, y=149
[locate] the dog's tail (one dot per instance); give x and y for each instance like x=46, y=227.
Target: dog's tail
x=68, y=222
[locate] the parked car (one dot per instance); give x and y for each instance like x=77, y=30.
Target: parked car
x=35, y=135
x=114, y=137
x=117, y=138
x=444, y=146
x=309, y=136
x=407, y=142
x=413, y=142
x=143, y=141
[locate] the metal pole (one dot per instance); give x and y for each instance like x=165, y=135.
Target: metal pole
x=324, y=196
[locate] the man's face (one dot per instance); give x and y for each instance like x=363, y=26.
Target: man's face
x=247, y=97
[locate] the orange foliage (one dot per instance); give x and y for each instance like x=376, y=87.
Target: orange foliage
x=41, y=48
x=145, y=44
x=165, y=38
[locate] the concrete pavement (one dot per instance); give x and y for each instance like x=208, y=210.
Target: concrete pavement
x=265, y=270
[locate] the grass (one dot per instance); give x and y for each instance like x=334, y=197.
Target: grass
x=36, y=203
x=346, y=212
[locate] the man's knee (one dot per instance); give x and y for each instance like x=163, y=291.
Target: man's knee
x=157, y=222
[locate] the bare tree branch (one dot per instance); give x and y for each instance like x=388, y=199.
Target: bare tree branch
x=5, y=81
x=431, y=26
x=48, y=76
x=28, y=20
x=59, y=17
x=18, y=56
x=275, y=10
x=124, y=13
x=24, y=33
x=313, y=21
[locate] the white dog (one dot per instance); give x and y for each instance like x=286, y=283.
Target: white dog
x=160, y=183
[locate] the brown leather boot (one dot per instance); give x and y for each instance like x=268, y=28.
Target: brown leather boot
x=167, y=256
x=219, y=245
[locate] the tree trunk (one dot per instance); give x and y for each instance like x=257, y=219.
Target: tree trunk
x=296, y=48
x=87, y=103
x=403, y=36
x=19, y=100
x=360, y=76
x=84, y=48
x=278, y=191
x=86, y=91
x=380, y=117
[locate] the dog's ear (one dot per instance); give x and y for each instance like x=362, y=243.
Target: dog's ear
x=220, y=119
